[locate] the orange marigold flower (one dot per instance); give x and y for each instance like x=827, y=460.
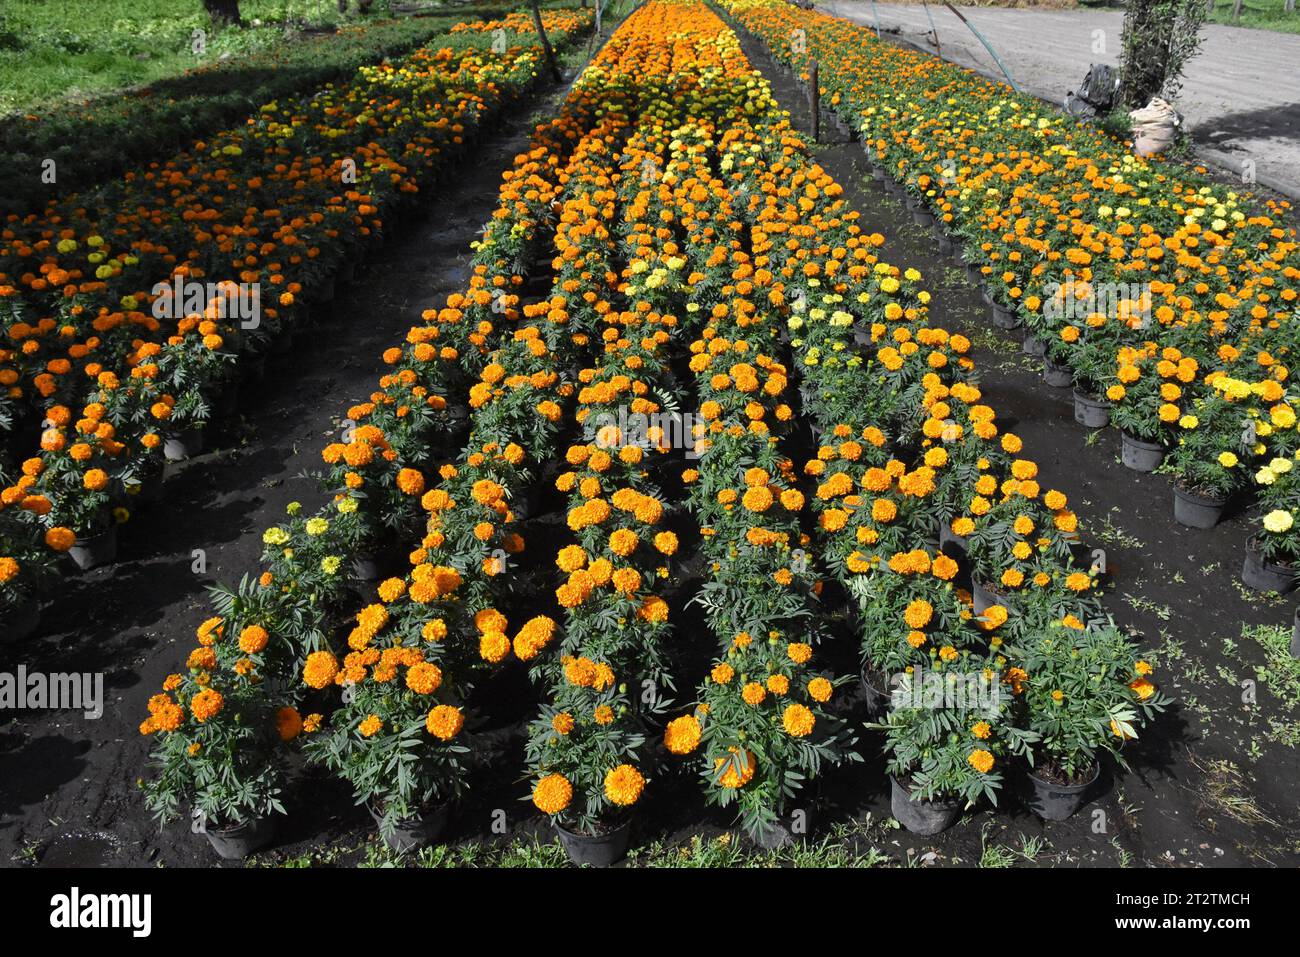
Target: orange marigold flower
x=981, y=761
x=444, y=722
x=797, y=720
x=682, y=736
x=552, y=794
x=623, y=785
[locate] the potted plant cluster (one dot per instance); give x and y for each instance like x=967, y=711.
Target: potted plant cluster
x=585, y=755
x=1086, y=694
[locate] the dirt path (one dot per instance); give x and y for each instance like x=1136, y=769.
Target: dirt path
x=1241, y=95
x=1208, y=788
x=67, y=785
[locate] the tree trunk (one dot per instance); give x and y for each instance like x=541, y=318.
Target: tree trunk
x=547, y=52
x=222, y=12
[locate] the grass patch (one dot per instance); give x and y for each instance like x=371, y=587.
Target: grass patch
x=845, y=845
x=1258, y=15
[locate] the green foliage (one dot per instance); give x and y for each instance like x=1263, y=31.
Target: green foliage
x=1160, y=36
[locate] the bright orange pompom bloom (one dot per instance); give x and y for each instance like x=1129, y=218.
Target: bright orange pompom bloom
x=444, y=722
x=682, y=736
x=320, y=669
x=552, y=794
x=206, y=705
x=60, y=539
x=410, y=481
x=623, y=785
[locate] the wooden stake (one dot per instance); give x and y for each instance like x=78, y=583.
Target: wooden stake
x=814, y=101
x=547, y=52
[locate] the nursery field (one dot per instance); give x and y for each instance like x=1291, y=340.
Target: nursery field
x=447, y=463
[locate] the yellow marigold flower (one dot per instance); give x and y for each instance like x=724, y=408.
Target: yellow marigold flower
x=424, y=678
x=253, y=639
x=371, y=726
x=918, y=613
x=288, y=723
x=1142, y=688
x=981, y=730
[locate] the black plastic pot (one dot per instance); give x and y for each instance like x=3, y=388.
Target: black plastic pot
x=921, y=817
x=984, y=596
x=1091, y=412
x=1261, y=575
x=1295, y=635
x=1056, y=375
x=1002, y=317
x=1056, y=802
x=374, y=566
x=597, y=850
x=21, y=621
x=183, y=445
x=95, y=550
x=782, y=833
x=950, y=543
x=413, y=833
x=236, y=843
x=1033, y=346
x=1197, y=511
x=876, y=693
x=148, y=488
x=282, y=344
x=922, y=217
x=1140, y=455
x=226, y=402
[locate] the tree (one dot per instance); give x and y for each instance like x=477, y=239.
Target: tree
x=1159, y=37
x=222, y=12
x=547, y=52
